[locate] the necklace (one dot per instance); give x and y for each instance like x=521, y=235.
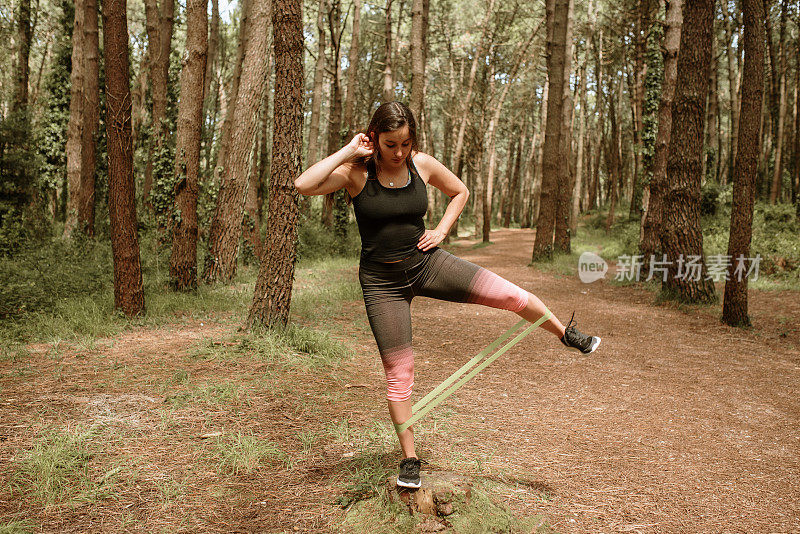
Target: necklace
x=391, y=183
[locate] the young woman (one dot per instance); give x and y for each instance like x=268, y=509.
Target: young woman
x=386, y=177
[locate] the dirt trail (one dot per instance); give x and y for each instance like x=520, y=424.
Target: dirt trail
x=676, y=424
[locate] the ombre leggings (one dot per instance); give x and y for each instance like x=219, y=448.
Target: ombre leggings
x=389, y=288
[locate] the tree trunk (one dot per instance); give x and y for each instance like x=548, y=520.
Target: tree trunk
x=183, y=260
x=578, y=190
x=639, y=73
x=388, y=80
x=91, y=119
x=466, y=104
x=566, y=179
x=128, y=289
x=613, y=155
x=417, y=67
x=734, y=304
x=245, y=26
x=777, y=169
x=652, y=217
x=316, y=99
x=159, y=22
x=211, y=93
x=24, y=32
x=796, y=151
x=272, y=297
x=711, y=156
x=226, y=225
x=75, y=126
x=733, y=88
x=352, y=72
x=594, y=185
x=558, y=13
x=681, y=235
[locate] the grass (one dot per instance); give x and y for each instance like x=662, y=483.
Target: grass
x=66, y=466
x=292, y=347
x=244, y=454
x=24, y=526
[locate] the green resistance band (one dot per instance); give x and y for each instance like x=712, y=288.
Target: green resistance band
x=426, y=404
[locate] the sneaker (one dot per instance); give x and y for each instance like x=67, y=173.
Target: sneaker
x=409, y=473
x=575, y=339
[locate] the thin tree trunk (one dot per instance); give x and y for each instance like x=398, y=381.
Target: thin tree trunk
x=711, y=156
x=777, y=169
x=613, y=155
x=236, y=77
x=352, y=72
x=466, y=104
x=316, y=98
x=578, y=190
x=388, y=80
x=273, y=292
x=24, y=31
x=159, y=22
x=652, y=221
x=639, y=73
x=681, y=235
x=211, y=93
x=558, y=13
x=417, y=66
x=226, y=225
x=566, y=180
x=734, y=304
x=183, y=259
x=733, y=88
x=91, y=119
x=73, y=144
x=128, y=288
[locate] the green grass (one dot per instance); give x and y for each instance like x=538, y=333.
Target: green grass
x=66, y=466
x=291, y=347
x=244, y=454
x=24, y=526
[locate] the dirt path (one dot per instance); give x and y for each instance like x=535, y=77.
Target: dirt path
x=676, y=424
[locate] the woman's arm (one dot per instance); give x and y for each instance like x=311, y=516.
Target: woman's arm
x=330, y=174
x=443, y=179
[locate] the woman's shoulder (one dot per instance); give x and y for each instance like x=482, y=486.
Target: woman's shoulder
x=356, y=176
x=425, y=164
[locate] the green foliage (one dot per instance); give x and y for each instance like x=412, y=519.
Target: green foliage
x=316, y=241
x=245, y=454
x=36, y=277
x=709, y=198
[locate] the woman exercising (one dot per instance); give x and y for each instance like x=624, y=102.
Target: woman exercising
x=386, y=177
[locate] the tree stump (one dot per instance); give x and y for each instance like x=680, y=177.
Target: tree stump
x=440, y=489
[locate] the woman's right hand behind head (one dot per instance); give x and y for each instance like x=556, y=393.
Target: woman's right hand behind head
x=361, y=146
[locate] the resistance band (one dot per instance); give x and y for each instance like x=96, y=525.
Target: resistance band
x=428, y=402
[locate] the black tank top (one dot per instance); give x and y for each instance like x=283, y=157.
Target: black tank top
x=390, y=219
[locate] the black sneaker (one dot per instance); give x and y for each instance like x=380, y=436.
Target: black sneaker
x=575, y=339
x=409, y=473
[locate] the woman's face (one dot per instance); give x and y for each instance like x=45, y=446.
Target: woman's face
x=394, y=146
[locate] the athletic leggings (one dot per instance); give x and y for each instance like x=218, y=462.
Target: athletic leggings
x=389, y=288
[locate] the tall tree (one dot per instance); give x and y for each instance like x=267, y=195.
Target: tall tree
x=76, y=122
x=24, y=31
x=681, y=235
x=557, y=19
x=565, y=181
x=733, y=86
x=159, y=20
x=777, y=168
x=91, y=118
x=734, y=304
x=352, y=72
x=316, y=98
x=417, y=55
x=273, y=292
x=226, y=225
x=650, y=242
x=128, y=289
x=183, y=259
x=388, y=79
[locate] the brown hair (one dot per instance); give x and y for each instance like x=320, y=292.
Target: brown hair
x=389, y=116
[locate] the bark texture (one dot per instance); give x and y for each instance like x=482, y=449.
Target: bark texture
x=272, y=297
x=128, y=289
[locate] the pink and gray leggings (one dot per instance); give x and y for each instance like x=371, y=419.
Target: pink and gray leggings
x=389, y=288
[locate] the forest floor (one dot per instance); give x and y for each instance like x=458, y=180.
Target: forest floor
x=676, y=423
